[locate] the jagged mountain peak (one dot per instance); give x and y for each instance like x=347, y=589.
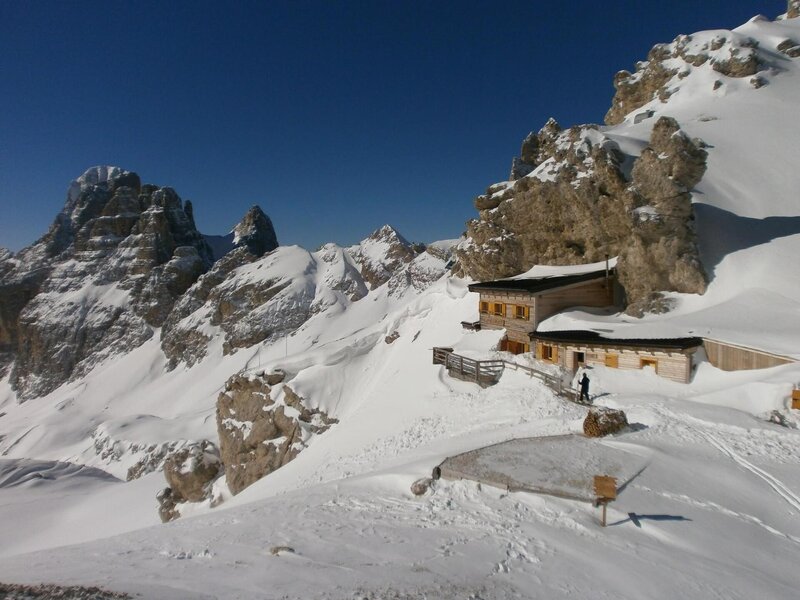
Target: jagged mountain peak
x=255, y=231
x=105, y=176
x=387, y=233
x=382, y=254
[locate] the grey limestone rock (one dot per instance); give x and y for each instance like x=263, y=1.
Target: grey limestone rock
x=108, y=271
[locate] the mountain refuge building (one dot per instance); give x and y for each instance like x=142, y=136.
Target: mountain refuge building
x=519, y=304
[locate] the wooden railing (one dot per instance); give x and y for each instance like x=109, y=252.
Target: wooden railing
x=482, y=372
x=554, y=382
x=487, y=372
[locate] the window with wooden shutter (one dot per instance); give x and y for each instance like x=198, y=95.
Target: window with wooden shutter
x=549, y=353
x=498, y=309
x=522, y=312
x=649, y=362
x=484, y=307
x=612, y=361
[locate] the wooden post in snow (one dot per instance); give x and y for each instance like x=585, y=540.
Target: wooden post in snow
x=605, y=490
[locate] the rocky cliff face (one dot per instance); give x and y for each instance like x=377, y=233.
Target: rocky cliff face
x=109, y=270
x=583, y=199
x=261, y=427
x=793, y=9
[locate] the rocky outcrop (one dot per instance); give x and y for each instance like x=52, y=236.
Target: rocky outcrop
x=111, y=267
x=661, y=253
x=790, y=48
x=793, y=9
x=189, y=473
x=728, y=53
x=634, y=90
x=190, y=470
x=259, y=434
x=585, y=200
x=255, y=232
x=382, y=254
x=602, y=421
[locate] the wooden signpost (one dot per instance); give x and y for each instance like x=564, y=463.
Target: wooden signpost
x=605, y=489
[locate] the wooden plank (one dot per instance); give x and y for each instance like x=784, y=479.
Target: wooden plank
x=605, y=487
x=796, y=399
x=730, y=357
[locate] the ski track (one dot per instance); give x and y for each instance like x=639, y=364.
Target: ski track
x=776, y=484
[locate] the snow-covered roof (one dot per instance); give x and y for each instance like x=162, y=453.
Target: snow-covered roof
x=536, y=285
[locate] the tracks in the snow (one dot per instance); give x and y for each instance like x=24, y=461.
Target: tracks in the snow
x=776, y=484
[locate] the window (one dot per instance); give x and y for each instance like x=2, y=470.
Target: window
x=649, y=362
x=498, y=309
x=522, y=312
x=517, y=347
x=612, y=360
x=484, y=307
x=548, y=352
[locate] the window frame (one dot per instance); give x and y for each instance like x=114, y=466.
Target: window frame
x=526, y=312
x=646, y=361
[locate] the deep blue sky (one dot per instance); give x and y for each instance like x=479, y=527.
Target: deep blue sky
x=335, y=117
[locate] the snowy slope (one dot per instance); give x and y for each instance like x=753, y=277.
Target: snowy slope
x=714, y=514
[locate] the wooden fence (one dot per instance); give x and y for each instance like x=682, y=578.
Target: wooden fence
x=482, y=372
x=487, y=372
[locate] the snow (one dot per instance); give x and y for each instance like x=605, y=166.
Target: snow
x=544, y=271
x=715, y=512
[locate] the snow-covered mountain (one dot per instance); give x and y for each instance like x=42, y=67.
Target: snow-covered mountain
x=159, y=346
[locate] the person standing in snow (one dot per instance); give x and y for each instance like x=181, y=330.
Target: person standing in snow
x=584, y=383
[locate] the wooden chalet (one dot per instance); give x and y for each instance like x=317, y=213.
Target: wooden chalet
x=518, y=305
x=670, y=358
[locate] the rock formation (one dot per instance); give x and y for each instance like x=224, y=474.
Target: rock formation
x=255, y=232
x=189, y=473
x=247, y=300
x=584, y=200
x=109, y=270
x=259, y=434
x=728, y=53
x=382, y=254
x=793, y=9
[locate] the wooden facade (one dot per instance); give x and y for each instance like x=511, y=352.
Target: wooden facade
x=520, y=311
x=730, y=357
x=669, y=359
